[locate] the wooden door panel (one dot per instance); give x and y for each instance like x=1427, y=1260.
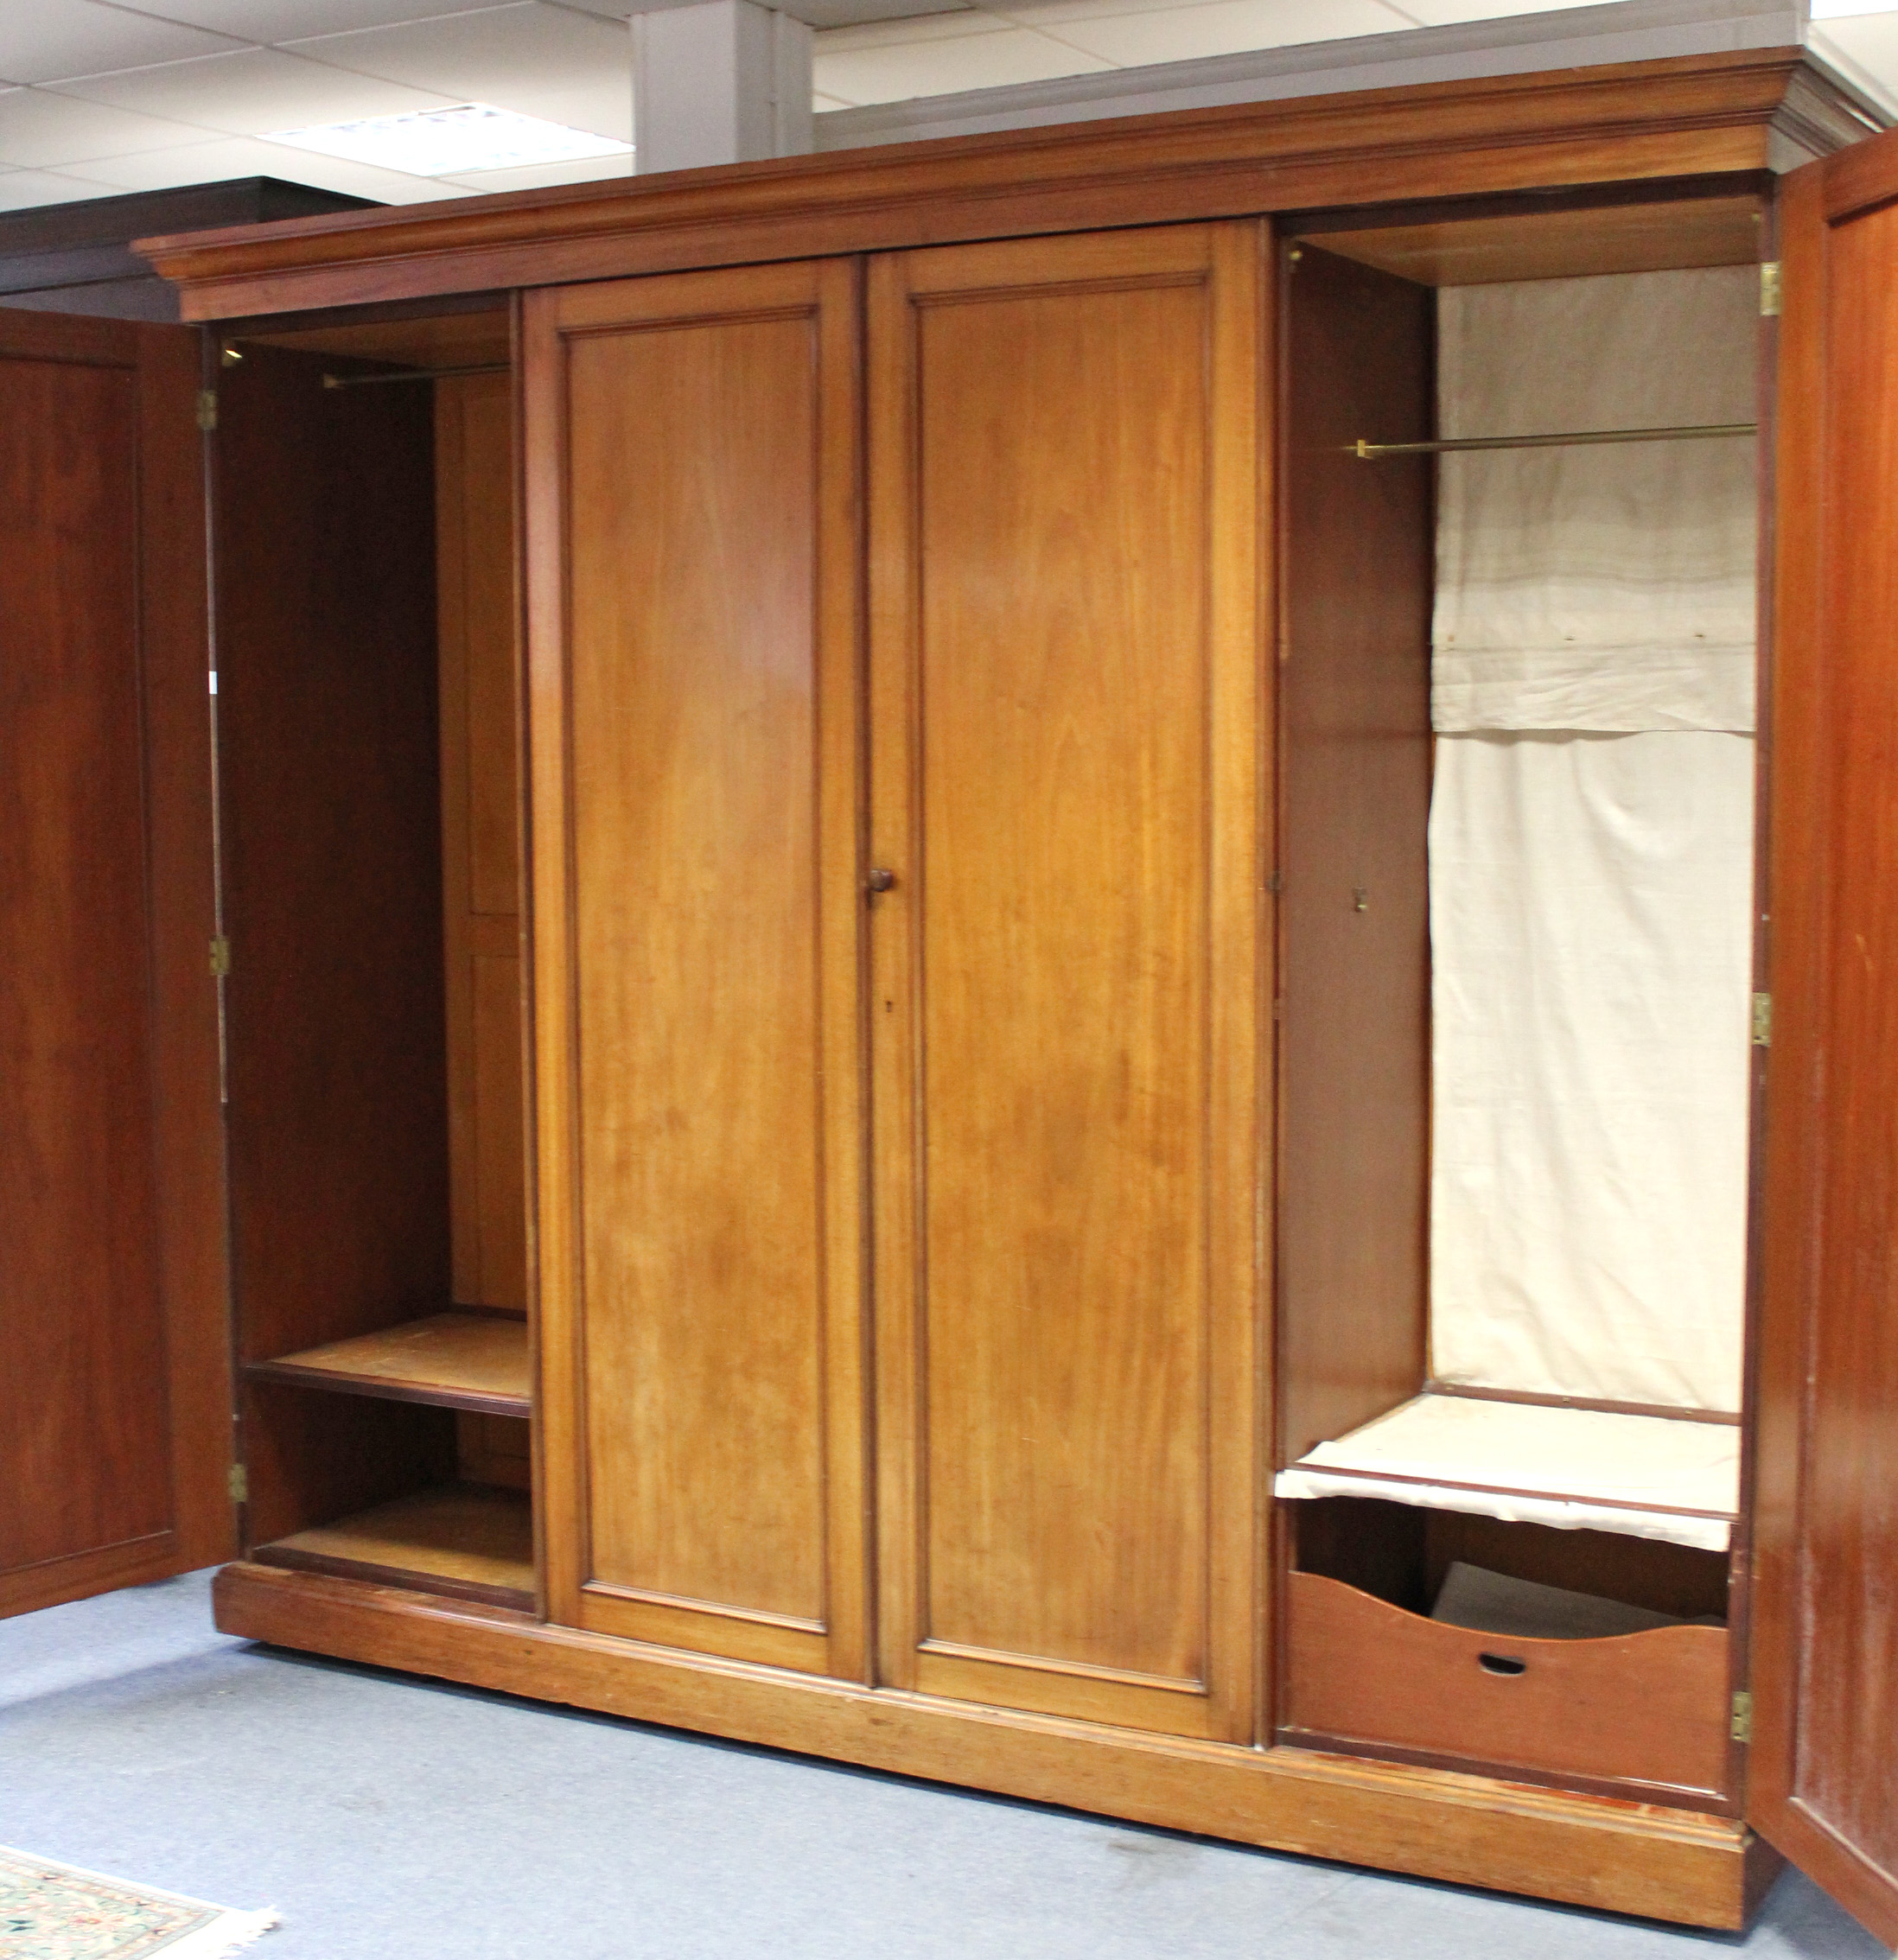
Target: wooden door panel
x=1822, y=1786
x=700, y=1019
x=111, y=1306
x=1065, y=719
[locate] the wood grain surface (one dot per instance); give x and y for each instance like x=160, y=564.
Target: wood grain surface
x=111, y=1290
x=481, y=822
x=1581, y=242
x=696, y=683
x=1615, y=123
x=1826, y=1659
x=476, y=1362
x=1065, y=718
x=463, y=1540
x=333, y=885
x=1354, y=678
x=1608, y=1855
x=1362, y=1672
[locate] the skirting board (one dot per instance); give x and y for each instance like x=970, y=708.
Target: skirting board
x=1613, y=1856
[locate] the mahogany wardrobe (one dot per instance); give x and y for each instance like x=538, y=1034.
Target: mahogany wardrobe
x=1057, y=960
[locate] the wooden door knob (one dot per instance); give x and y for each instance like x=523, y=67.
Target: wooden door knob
x=879, y=879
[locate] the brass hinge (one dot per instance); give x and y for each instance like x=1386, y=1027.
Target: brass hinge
x=1742, y=1717
x=238, y=1484
x=220, y=958
x=1769, y=287
x=1762, y=1020
x=207, y=409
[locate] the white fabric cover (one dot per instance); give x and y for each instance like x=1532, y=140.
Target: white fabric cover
x=1591, y=949
x=1604, y=588
x=1591, y=835
x=1575, y=1468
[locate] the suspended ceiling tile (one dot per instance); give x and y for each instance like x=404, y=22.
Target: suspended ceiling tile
x=284, y=20
x=847, y=13
x=1218, y=26
x=48, y=39
x=901, y=72
x=252, y=93
x=537, y=60
x=1865, y=49
x=222, y=158
x=542, y=176
x=39, y=129
x=1185, y=33
x=25, y=190
x=1446, y=12
x=945, y=26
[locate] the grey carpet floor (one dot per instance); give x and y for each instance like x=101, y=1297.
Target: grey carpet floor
x=391, y=1819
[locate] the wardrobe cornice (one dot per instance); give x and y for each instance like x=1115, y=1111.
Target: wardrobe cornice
x=1748, y=111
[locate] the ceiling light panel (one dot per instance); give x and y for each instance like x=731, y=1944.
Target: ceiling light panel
x=547, y=61
x=441, y=142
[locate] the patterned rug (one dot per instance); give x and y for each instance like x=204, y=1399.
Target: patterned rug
x=54, y=1911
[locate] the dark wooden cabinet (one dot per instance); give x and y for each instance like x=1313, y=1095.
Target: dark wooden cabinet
x=954, y=857
x=113, y=1331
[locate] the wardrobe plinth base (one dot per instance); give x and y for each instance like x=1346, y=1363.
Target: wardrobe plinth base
x=1614, y=1857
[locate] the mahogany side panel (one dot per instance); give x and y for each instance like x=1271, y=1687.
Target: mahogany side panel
x=337, y=1035
x=111, y=1311
x=1356, y=584
x=1826, y=1524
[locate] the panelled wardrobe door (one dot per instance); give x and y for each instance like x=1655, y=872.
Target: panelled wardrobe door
x=694, y=710
x=1067, y=719
x=1824, y=1779
x=115, y=1440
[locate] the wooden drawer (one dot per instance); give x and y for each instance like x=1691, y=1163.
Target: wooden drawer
x=1647, y=1708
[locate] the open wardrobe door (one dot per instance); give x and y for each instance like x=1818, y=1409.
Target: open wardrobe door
x=115, y=1441
x=1824, y=1778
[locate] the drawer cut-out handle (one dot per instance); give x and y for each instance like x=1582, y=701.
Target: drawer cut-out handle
x=1501, y=1663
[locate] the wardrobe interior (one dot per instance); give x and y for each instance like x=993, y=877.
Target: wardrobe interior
x=365, y=628
x=1518, y=799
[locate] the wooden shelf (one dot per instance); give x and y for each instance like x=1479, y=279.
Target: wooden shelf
x=456, y=1360
x=468, y=1541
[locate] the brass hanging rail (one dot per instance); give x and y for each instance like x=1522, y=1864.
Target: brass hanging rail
x=411, y=374
x=1369, y=452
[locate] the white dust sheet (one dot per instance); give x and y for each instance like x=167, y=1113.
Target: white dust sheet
x=1591, y=843
x=1643, y=1476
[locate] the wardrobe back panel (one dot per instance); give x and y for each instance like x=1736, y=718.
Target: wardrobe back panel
x=1358, y=361
x=333, y=860
x=481, y=822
